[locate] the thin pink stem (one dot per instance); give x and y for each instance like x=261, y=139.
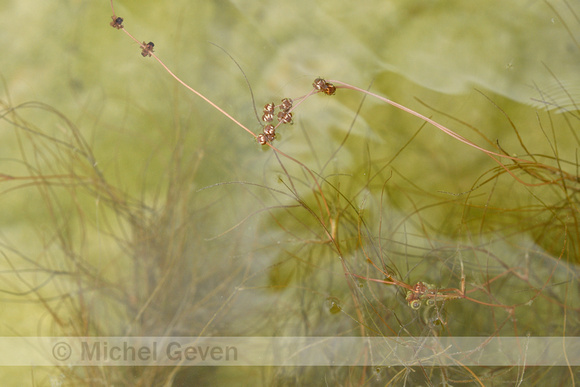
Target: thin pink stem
x=222, y=111
x=428, y=120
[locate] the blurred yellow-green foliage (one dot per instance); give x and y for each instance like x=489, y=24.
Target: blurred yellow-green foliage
x=131, y=207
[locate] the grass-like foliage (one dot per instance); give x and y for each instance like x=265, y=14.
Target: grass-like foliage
x=346, y=214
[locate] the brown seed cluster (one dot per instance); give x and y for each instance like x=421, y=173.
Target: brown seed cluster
x=284, y=117
x=268, y=112
x=117, y=22
x=326, y=87
x=147, y=49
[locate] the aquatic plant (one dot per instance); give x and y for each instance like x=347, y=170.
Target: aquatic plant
x=328, y=232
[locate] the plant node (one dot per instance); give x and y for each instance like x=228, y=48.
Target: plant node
x=284, y=116
x=117, y=22
x=147, y=49
x=321, y=85
x=428, y=293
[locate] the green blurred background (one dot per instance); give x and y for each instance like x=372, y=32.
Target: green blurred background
x=146, y=212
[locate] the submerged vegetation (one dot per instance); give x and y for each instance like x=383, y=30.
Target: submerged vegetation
x=343, y=214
